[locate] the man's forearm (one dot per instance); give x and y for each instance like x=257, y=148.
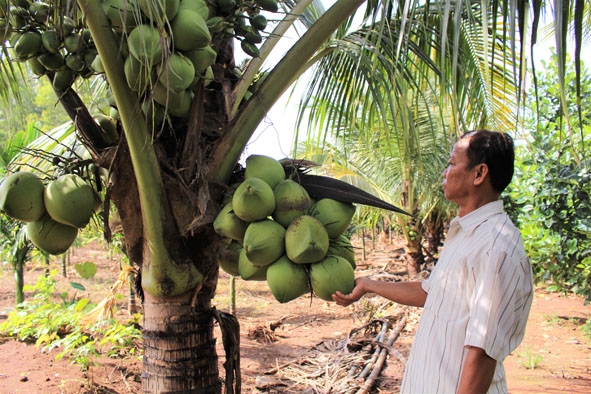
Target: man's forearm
x=478, y=372
x=406, y=293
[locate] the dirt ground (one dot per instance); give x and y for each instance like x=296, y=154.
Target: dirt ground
x=307, y=345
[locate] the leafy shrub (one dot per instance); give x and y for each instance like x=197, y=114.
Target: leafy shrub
x=550, y=198
x=57, y=326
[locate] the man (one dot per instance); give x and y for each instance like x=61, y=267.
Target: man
x=477, y=299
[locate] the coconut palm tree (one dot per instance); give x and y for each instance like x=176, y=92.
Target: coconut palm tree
x=401, y=108
x=171, y=151
x=14, y=239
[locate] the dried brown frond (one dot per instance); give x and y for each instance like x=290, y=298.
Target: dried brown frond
x=344, y=366
x=105, y=309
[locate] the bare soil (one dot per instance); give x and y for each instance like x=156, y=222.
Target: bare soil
x=307, y=345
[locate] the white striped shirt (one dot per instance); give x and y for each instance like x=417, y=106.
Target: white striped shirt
x=479, y=294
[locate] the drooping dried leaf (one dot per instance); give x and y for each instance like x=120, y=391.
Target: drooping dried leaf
x=319, y=186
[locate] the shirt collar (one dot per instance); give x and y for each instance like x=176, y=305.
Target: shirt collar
x=474, y=218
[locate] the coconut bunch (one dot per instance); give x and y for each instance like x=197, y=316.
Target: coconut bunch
x=48, y=40
x=168, y=46
x=53, y=212
x=278, y=233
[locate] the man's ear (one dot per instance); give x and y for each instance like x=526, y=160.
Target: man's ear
x=480, y=174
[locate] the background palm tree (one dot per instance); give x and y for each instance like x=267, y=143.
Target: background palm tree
x=400, y=105
x=14, y=239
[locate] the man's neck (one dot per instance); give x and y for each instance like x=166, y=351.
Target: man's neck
x=476, y=203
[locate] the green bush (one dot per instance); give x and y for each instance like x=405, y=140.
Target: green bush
x=550, y=198
x=56, y=326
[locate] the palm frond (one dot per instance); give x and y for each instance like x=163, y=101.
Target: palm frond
x=51, y=154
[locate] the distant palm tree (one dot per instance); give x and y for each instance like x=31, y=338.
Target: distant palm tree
x=14, y=239
x=395, y=106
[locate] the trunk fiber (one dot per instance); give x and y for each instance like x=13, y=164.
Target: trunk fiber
x=179, y=348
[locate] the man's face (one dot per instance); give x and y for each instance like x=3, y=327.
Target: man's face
x=457, y=178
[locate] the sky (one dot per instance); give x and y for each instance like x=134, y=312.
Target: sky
x=275, y=135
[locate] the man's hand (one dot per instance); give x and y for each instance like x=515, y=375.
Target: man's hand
x=347, y=299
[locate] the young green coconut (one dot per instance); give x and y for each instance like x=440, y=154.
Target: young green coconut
x=70, y=200
x=287, y=280
x=332, y=274
x=21, y=196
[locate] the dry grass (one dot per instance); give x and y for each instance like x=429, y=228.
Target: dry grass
x=345, y=366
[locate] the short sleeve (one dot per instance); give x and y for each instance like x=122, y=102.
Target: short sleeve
x=499, y=304
x=426, y=285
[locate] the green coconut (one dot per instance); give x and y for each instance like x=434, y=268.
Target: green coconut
x=50, y=236
x=228, y=258
x=89, y=55
x=18, y=17
x=66, y=25
x=227, y=224
x=291, y=201
x=108, y=125
x=335, y=215
x=28, y=44
x=51, y=41
x=264, y=242
x=75, y=62
x=208, y=76
x=63, y=79
x=138, y=74
x=268, y=5
x=265, y=168
x=259, y=22
x=153, y=112
x=36, y=67
x=69, y=200
x=39, y=11
x=97, y=65
x=330, y=275
x=176, y=73
x=21, y=196
x=51, y=61
x=146, y=43
x=249, y=271
x=306, y=240
x=202, y=58
x=74, y=43
x=198, y=6
x=122, y=14
x=189, y=31
x=252, y=35
x=253, y=200
x=156, y=10
x=287, y=280
x=342, y=246
x=216, y=24
x=176, y=103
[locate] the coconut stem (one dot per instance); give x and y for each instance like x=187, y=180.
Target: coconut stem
x=292, y=65
x=161, y=277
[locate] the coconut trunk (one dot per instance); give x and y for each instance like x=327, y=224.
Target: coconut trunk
x=414, y=251
x=171, y=365
x=178, y=336
x=19, y=275
x=179, y=347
